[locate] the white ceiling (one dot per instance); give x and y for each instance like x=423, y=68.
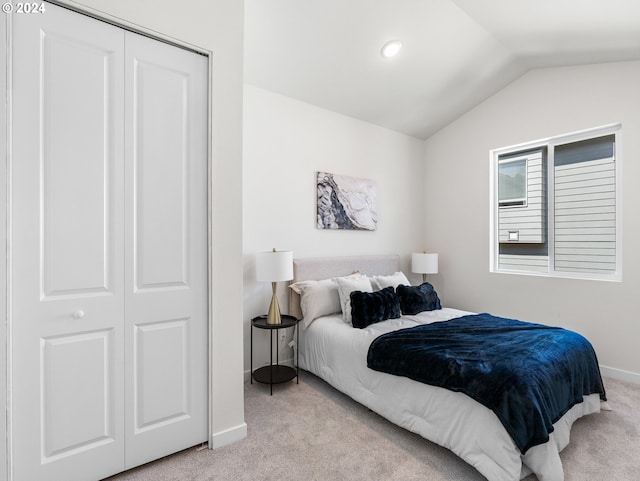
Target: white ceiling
x=455, y=53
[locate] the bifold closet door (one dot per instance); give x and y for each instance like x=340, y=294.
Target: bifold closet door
x=166, y=251
x=67, y=250
x=108, y=242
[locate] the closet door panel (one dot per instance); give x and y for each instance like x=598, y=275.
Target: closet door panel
x=166, y=266
x=74, y=159
x=161, y=175
x=67, y=331
x=93, y=377
x=161, y=346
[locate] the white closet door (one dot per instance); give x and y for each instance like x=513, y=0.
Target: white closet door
x=166, y=252
x=67, y=298
x=108, y=248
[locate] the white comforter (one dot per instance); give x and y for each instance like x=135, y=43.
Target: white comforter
x=336, y=352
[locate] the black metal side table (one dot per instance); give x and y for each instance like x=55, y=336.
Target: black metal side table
x=274, y=373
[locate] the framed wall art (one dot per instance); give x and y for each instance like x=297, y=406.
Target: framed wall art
x=346, y=202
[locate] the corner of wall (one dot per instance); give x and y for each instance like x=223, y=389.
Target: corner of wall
x=228, y=436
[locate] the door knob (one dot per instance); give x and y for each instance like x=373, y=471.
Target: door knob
x=78, y=314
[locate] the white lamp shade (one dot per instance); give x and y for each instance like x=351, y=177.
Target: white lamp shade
x=424, y=263
x=274, y=266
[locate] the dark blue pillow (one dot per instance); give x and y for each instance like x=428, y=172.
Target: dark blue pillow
x=415, y=299
x=371, y=307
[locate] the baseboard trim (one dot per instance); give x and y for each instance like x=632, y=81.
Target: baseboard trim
x=228, y=436
x=620, y=374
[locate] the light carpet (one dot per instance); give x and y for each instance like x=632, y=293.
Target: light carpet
x=309, y=431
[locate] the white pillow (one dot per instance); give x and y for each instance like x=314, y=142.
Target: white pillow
x=348, y=284
x=393, y=280
x=317, y=299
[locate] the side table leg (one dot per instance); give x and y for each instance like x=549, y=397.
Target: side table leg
x=271, y=360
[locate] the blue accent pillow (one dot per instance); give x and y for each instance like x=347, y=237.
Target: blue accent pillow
x=371, y=307
x=415, y=299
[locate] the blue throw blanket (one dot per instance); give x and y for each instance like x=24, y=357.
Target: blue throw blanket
x=529, y=375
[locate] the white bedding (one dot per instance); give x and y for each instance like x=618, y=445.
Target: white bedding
x=337, y=352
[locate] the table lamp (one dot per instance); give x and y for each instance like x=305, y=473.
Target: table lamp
x=424, y=263
x=273, y=267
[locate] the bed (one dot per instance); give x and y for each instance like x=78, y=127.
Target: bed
x=335, y=351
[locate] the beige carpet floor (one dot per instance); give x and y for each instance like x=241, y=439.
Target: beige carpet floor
x=309, y=431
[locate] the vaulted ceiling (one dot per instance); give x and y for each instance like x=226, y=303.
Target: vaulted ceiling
x=455, y=53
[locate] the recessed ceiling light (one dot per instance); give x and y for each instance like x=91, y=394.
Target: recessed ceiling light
x=391, y=48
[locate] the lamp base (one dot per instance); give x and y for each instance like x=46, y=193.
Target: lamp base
x=273, y=315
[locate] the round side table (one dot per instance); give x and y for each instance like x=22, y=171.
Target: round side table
x=274, y=373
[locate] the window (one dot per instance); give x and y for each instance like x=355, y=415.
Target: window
x=512, y=182
x=555, y=207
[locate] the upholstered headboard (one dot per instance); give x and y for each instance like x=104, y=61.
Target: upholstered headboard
x=316, y=268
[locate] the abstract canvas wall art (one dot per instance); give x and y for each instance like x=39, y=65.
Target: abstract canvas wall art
x=346, y=202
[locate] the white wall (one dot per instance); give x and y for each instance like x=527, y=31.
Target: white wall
x=540, y=104
x=285, y=143
x=216, y=26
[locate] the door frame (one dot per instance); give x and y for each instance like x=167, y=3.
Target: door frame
x=5, y=213
x=5, y=122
